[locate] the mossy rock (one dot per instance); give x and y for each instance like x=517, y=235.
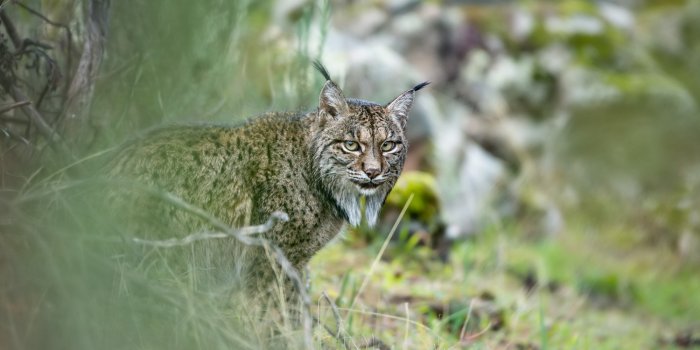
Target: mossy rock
x=425, y=204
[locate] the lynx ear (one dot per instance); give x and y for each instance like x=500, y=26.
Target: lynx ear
x=400, y=106
x=332, y=101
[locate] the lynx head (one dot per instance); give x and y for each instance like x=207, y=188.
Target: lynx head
x=359, y=148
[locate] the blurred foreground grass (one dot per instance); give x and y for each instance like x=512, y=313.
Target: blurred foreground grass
x=604, y=283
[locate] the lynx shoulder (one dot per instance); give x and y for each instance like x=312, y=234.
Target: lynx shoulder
x=314, y=166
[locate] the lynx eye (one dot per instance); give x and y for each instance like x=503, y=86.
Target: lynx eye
x=388, y=146
x=351, y=146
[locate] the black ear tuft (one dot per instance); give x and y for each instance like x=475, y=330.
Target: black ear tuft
x=420, y=86
x=319, y=66
x=401, y=105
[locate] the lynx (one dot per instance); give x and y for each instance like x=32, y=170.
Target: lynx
x=314, y=166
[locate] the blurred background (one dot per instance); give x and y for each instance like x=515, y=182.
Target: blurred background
x=553, y=177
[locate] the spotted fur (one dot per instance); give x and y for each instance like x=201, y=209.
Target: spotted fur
x=302, y=164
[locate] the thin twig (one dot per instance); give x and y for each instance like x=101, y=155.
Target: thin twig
x=10, y=134
x=466, y=319
x=19, y=96
x=337, y=334
x=38, y=14
x=68, y=167
x=328, y=330
x=250, y=240
x=246, y=231
x=381, y=252
x=69, y=39
x=29, y=42
x=53, y=77
x=336, y=314
x=12, y=106
x=14, y=120
x=408, y=322
x=472, y=337
x=11, y=30
x=392, y=317
x=36, y=118
x=374, y=342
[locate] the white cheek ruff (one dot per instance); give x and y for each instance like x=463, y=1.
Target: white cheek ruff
x=367, y=191
x=348, y=198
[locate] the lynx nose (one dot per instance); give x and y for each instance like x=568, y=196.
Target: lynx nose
x=372, y=172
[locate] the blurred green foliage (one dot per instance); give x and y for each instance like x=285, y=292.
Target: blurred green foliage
x=171, y=61
x=613, y=280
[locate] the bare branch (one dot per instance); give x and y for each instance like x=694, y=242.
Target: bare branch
x=32, y=113
x=20, y=138
x=245, y=231
x=12, y=106
x=289, y=270
x=44, y=128
x=38, y=14
x=81, y=87
x=69, y=41
x=14, y=120
x=11, y=30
